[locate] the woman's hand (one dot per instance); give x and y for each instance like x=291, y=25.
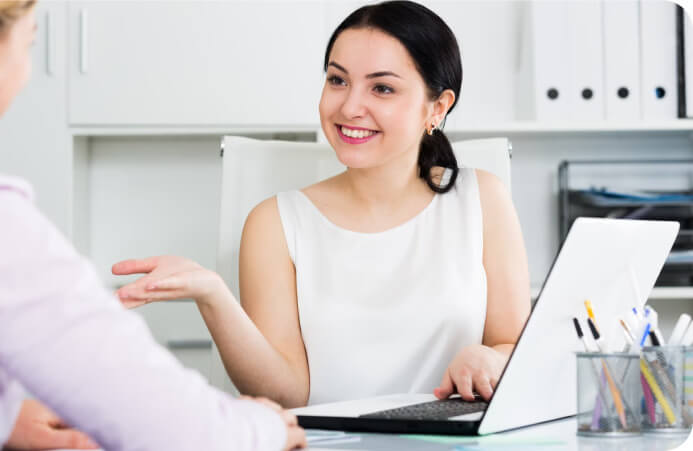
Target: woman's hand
x=296, y=436
x=167, y=277
x=38, y=428
x=474, y=368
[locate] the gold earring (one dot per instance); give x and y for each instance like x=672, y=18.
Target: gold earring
x=430, y=130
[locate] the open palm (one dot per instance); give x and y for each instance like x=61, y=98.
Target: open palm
x=166, y=277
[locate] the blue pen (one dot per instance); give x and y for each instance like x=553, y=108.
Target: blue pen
x=641, y=343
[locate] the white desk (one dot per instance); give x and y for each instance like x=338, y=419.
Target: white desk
x=554, y=436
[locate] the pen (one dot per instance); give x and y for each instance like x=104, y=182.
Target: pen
x=615, y=392
x=628, y=332
x=688, y=337
x=679, y=329
x=597, y=379
x=659, y=367
x=656, y=391
x=649, y=399
x=590, y=312
x=654, y=320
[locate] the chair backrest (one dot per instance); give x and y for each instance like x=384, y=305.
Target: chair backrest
x=254, y=170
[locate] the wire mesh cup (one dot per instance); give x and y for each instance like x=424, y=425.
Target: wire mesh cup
x=664, y=407
x=608, y=394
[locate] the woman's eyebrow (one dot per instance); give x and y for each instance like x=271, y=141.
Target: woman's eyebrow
x=384, y=73
x=332, y=63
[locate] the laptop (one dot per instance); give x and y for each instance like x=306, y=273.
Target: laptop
x=612, y=262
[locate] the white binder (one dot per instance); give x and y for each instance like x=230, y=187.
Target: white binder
x=658, y=59
x=622, y=59
x=551, y=75
x=688, y=60
x=586, y=89
x=568, y=60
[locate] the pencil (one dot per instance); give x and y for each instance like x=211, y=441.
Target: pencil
x=656, y=391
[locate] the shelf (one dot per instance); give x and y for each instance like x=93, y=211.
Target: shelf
x=514, y=127
x=178, y=130
x=596, y=127
x=662, y=293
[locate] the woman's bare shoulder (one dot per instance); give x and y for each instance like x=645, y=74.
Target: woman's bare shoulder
x=325, y=191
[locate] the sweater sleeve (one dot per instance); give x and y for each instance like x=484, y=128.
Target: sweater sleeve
x=70, y=343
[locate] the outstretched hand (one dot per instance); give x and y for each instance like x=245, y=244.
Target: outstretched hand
x=474, y=368
x=167, y=277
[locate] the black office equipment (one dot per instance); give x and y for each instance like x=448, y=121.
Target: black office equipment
x=633, y=189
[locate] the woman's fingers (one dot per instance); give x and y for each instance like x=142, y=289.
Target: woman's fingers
x=129, y=304
x=135, y=266
x=463, y=382
x=446, y=387
x=63, y=438
x=493, y=382
x=482, y=384
x=168, y=283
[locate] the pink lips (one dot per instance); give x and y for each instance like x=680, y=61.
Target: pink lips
x=350, y=140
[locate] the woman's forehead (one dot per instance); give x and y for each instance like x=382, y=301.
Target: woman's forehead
x=363, y=51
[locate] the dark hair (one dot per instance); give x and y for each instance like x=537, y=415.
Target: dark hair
x=433, y=47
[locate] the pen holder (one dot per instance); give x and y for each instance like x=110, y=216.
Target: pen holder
x=608, y=394
x=688, y=377
x=663, y=405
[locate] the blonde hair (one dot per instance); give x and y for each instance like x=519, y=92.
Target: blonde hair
x=11, y=10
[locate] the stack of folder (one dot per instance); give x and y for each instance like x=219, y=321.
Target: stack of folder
x=688, y=378
x=607, y=59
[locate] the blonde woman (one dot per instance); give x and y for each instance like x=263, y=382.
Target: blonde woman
x=70, y=342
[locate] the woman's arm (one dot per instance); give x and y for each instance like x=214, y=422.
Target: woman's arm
x=505, y=262
x=260, y=343
x=70, y=343
x=478, y=367
x=268, y=295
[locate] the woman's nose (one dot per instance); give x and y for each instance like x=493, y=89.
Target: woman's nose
x=354, y=105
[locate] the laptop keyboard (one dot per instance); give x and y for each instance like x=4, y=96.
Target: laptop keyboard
x=434, y=410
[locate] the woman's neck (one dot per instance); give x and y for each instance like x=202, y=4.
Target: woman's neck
x=389, y=186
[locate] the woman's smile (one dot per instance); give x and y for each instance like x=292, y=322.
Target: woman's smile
x=355, y=135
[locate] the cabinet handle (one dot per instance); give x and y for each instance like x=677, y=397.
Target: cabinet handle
x=189, y=344
x=83, y=45
x=50, y=45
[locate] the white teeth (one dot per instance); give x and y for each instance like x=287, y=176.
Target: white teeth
x=356, y=133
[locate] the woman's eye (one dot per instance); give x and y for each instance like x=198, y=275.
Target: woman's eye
x=335, y=80
x=383, y=89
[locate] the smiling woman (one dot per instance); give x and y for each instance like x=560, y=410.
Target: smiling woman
x=414, y=60
x=403, y=274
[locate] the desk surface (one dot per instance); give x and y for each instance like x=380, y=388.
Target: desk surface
x=553, y=436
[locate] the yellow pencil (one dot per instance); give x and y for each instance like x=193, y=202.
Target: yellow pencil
x=590, y=312
x=615, y=392
x=616, y=395
x=657, y=392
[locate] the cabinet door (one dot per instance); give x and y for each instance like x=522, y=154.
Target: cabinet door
x=195, y=62
x=34, y=140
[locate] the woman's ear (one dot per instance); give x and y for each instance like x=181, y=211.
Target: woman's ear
x=442, y=105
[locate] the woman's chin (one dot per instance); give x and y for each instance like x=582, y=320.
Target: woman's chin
x=352, y=161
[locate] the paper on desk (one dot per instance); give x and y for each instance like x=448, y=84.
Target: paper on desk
x=471, y=442
x=323, y=438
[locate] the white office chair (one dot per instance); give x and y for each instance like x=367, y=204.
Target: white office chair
x=254, y=170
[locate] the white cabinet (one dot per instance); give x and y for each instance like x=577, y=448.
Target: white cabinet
x=195, y=62
x=34, y=139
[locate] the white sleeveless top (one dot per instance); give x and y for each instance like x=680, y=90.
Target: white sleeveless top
x=386, y=312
